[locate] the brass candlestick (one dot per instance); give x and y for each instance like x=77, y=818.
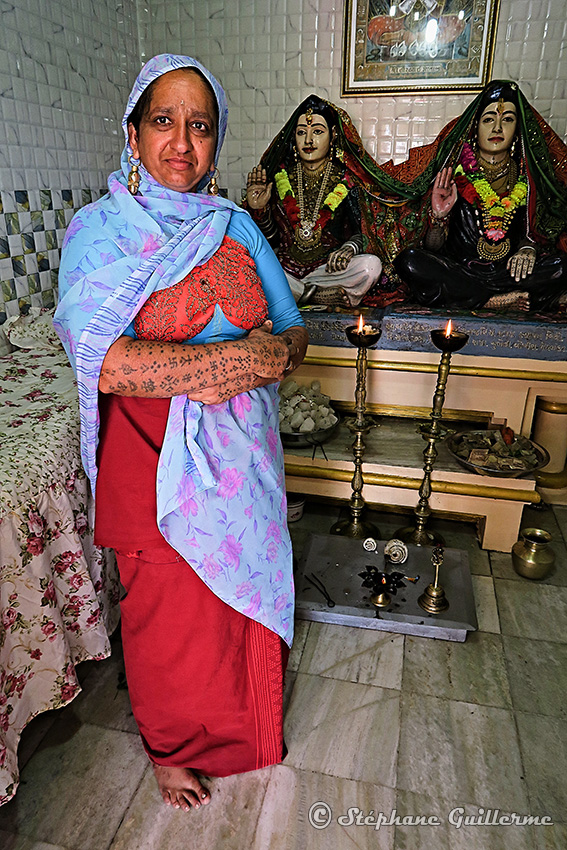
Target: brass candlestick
x=433, y=599
x=447, y=342
x=364, y=337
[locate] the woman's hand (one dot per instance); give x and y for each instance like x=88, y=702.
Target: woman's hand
x=339, y=260
x=292, y=343
x=271, y=353
x=258, y=190
x=444, y=193
x=521, y=264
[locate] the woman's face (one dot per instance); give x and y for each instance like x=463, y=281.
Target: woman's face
x=177, y=135
x=497, y=128
x=312, y=139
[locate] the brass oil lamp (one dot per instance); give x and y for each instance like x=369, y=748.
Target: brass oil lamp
x=362, y=336
x=447, y=341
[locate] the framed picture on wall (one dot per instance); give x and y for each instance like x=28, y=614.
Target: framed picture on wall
x=416, y=46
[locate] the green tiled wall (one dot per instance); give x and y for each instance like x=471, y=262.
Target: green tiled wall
x=32, y=228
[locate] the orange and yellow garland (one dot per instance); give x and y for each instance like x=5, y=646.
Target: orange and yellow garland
x=287, y=197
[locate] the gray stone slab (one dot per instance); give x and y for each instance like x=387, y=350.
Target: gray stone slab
x=9, y=841
x=33, y=735
x=452, y=833
x=301, y=631
x=76, y=787
x=343, y=729
x=551, y=837
x=543, y=742
x=104, y=699
x=479, y=562
x=537, y=671
x=289, y=684
x=485, y=604
x=502, y=567
x=549, y=519
x=473, y=672
x=354, y=655
x=460, y=751
x=298, y=803
x=229, y=821
x=335, y=562
x=532, y=610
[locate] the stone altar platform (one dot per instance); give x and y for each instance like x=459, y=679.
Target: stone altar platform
x=393, y=471
x=508, y=368
x=335, y=563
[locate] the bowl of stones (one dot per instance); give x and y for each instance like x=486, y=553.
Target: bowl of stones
x=306, y=415
x=498, y=453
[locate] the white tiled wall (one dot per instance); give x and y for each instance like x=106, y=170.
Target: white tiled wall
x=66, y=67
x=270, y=54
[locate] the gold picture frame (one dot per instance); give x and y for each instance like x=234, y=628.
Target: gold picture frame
x=417, y=46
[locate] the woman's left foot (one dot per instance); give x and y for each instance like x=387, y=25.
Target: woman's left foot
x=181, y=788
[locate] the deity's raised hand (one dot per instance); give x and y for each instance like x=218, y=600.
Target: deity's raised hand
x=444, y=194
x=258, y=190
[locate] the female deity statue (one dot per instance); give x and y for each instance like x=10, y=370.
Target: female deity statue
x=312, y=218
x=498, y=211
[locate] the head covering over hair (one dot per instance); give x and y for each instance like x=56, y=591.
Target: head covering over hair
x=497, y=90
x=117, y=252
x=155, y=68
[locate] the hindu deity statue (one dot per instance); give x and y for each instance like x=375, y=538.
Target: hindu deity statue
x=304, y=200
x=496, y=236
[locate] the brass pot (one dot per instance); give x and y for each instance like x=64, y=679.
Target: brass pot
x=532, y=556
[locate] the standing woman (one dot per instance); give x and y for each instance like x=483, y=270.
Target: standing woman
x=179, y=323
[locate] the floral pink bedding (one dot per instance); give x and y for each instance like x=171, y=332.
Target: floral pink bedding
x=58, y=592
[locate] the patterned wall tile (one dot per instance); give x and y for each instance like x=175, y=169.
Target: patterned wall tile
x=29, y=261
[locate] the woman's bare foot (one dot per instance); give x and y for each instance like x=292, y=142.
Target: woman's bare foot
x=181, y=788
x=509, y=301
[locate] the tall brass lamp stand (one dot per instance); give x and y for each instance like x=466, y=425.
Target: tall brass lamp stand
x=447, y=341
x=363, y=337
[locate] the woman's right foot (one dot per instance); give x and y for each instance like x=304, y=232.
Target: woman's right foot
x=181, y=788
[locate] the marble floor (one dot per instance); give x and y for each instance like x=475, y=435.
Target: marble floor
x=392, y=739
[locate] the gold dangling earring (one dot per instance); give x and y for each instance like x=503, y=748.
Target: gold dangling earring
x=213, y=188
x=133, y=176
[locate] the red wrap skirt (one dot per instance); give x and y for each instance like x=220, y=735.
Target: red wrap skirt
x=205, y=682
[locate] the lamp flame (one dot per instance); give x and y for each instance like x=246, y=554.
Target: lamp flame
x=449, y=329
x=360, y=324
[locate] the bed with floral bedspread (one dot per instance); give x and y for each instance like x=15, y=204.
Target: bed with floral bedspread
x=58, y=591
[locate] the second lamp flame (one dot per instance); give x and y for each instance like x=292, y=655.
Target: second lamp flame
x=449, y=329
x=360, y=323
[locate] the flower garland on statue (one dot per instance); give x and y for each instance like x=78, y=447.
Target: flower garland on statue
x=291, y=207
x=497, y=212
